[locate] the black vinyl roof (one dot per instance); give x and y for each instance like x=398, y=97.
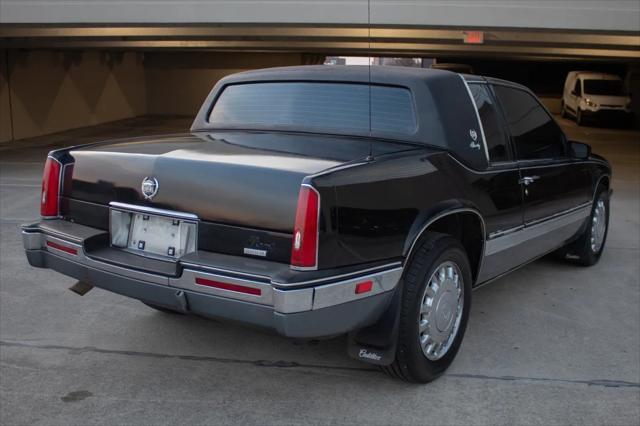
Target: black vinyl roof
x=402, y=76
x=443, y=104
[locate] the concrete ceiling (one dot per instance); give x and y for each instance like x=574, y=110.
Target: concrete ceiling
x=331, y=39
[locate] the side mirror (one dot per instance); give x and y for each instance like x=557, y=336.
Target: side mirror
x=579, y=150
x=574, y=93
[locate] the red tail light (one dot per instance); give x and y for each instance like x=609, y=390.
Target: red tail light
x=62, y=247
x=50, y=188
x=228, y=286
x=304, y=249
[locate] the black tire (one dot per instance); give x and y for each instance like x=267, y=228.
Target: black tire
x=579, y=118
x=581, y=251
x=410, y=363
x=163, y=309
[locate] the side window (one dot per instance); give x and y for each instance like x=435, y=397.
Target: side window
x=577, y=89
x=535, y=134
x=494, y=134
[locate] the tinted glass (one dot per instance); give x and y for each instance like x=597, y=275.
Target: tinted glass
x=534, y=132
x=495, y=135
x=327, y=107
x=577, y=88
x=604, y=87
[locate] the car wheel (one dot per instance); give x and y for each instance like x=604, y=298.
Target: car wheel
x=435, y=308
x=163, y=309
x=588, y=248
x=579, y=118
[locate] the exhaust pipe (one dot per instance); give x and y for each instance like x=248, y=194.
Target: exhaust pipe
x=81, y=288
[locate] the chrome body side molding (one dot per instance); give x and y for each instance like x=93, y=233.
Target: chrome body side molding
x=524, y=244
x=510, y=239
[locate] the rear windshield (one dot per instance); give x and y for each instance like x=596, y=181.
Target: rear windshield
x=604, y=87
x=327, y=107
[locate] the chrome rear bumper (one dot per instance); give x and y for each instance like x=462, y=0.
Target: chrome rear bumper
x=314, y=308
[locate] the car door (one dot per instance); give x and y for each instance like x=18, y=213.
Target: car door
x=500, y=181
x=497, y=190
x=553, y=184
x=574, y=96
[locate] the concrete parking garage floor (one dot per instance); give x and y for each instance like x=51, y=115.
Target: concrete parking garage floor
x=550, y=344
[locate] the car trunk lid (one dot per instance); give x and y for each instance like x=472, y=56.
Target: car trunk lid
x=236, y=178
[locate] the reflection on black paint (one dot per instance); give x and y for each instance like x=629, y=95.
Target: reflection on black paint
x=375, y=223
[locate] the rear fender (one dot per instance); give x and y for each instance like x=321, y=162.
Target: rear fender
x=376, y=344
x=427, y=218
x=471, y=230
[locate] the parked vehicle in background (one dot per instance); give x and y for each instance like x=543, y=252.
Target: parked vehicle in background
x=319, y=201
x=589, y=95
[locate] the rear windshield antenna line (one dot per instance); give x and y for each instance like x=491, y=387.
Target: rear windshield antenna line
x=370, y=156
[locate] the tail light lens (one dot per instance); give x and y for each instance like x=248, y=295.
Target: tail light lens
x=50, y=188
x=304, y=249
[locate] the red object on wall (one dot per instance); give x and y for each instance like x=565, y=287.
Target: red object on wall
x=473, y=37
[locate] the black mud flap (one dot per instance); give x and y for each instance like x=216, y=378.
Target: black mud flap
x=376, y=344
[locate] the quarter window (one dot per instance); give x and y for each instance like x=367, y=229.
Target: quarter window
x=494, y=133
x=534, y=132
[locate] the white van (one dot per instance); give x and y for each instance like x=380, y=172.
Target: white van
x=589, y=94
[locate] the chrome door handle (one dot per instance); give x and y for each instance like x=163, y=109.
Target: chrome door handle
x=528, y=180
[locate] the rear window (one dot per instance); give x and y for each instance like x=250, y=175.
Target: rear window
x=329, y=107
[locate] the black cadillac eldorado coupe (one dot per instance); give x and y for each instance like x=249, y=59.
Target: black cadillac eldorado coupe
x=321, y=200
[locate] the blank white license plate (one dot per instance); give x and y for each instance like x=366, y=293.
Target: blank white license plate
x=158, y=235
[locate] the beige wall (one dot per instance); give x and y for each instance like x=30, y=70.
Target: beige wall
x=52, y=91
x=5, y=114
x=178, y=82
